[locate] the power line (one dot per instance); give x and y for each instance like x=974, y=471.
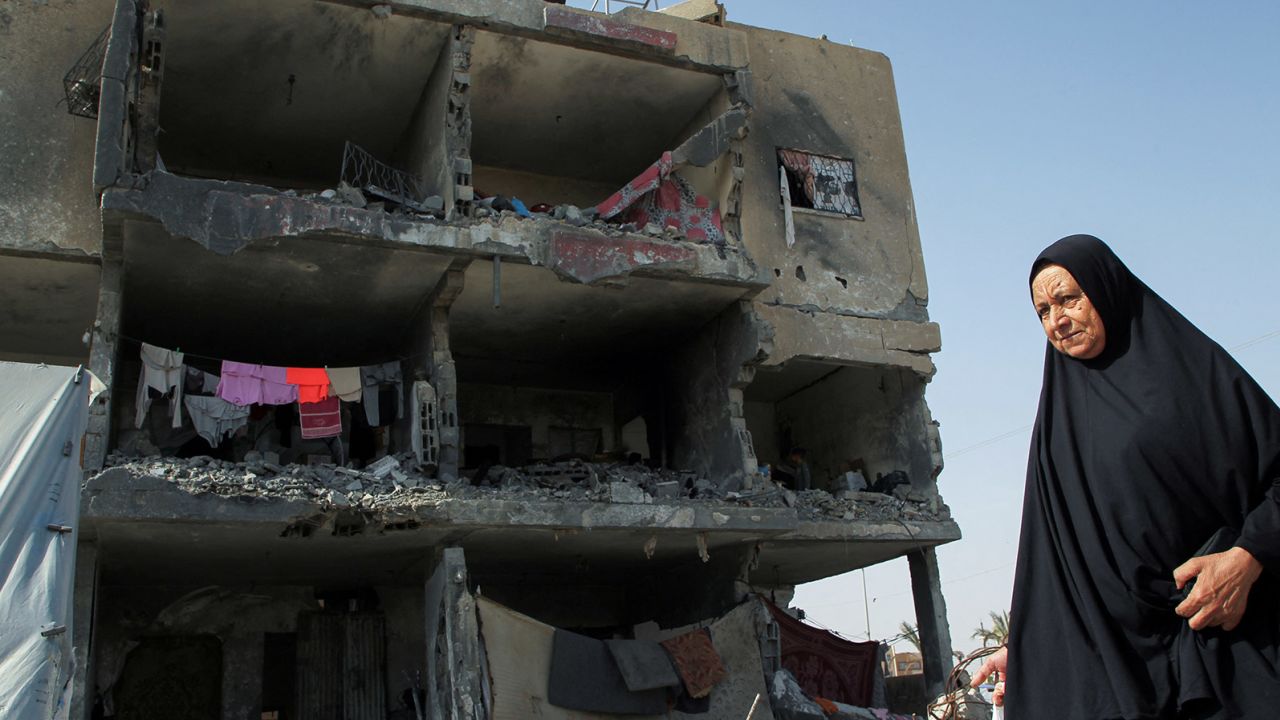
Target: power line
x=978, y=574
x=1017, y=431
x=1256, y=341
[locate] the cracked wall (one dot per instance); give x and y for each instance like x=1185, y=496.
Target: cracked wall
x=831, y=99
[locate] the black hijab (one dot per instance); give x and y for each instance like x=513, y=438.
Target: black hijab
x=1138, y=456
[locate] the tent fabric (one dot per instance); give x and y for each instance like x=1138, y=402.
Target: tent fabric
x=518, y=649
x=43, y=413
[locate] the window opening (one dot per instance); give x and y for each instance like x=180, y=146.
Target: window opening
x=819, y=182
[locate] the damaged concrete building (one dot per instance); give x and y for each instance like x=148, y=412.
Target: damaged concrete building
x=614, y=268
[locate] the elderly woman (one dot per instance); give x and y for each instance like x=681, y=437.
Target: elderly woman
x=1151, y=522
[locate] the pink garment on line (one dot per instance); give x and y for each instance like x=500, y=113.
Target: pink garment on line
x=249, y=384
x=320, y=419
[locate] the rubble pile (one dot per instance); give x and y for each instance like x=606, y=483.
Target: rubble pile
x=495, y=208
x=400, y=483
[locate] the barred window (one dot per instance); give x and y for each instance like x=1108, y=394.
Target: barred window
x=819, y=182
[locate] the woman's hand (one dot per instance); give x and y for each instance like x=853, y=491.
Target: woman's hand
x=1223, y=581
x=997, y=662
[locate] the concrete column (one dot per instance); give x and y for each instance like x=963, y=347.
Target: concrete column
x=242, y=675
x=455, y=689
x=433, y=360
x=84, y=612
x=103, y=355
x=931, y=619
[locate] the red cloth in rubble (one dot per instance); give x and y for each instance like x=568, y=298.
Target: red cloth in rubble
x=825, y=665
x=661, y=197
x=320, y=419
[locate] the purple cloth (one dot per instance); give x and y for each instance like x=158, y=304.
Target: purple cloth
x=248, y=384
x=238, y=385
x=276, y=389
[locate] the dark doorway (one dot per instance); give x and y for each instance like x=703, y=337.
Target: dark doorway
x=510, y=445
x=279, y=676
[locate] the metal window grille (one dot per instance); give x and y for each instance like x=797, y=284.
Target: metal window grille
x=608, y=4
x=83, y=82
x=364, y=171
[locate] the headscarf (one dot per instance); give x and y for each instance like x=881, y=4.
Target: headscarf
x=1138, y=456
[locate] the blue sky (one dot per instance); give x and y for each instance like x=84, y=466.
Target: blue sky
x=1152, y=124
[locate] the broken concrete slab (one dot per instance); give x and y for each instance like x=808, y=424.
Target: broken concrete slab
x=708, y=144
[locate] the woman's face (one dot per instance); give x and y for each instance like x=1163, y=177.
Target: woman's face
x=1070, y=321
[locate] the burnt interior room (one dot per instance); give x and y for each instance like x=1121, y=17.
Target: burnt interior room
x=560, y=369
x=846, y=417
x=310, y=76
x=290, y=302
x=551, y=126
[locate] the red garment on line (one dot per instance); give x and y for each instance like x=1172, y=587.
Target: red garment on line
x=313, y=383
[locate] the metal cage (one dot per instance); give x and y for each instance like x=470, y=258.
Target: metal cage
x=83, y=82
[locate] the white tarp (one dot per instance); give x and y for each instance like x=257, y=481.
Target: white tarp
x=43, y=412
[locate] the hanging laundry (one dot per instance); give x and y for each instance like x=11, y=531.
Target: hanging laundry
x=696, y=659
x=161, y=372
x=379, y=382
x=199, y=382
x=313, y=383
x=345, y=383
x=248, y=384
x=215, y=418
x=238, y=384
x=276, y=389
x=320, y=419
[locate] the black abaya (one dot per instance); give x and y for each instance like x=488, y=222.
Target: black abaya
x=1139, y=456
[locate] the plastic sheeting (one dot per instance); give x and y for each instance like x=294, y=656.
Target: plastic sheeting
x=43, y=412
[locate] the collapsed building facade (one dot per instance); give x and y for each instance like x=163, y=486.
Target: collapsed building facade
x=619, y=264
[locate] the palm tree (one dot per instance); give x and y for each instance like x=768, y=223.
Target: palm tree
x=998, y=634
x=910, y=633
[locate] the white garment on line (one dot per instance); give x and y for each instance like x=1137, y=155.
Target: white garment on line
x=161, y=370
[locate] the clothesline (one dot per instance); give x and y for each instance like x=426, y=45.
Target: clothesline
x=219, y=404
x=185, y=353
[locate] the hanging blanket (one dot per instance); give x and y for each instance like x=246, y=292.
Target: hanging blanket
x=825, y=665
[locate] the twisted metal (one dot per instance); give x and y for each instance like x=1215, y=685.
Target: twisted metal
x=608, y=4
x=82, y=85
x=364, y=171
x=954, y=698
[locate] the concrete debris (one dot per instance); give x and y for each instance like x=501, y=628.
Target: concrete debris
x=962, y=704
x=401, y=482
x=789, y=701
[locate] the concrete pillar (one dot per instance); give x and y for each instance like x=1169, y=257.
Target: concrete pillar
x=931, y=619
x=103, y=356
x=242, y=654
x=84, y=617
x=454, y=691
x=432, y=359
